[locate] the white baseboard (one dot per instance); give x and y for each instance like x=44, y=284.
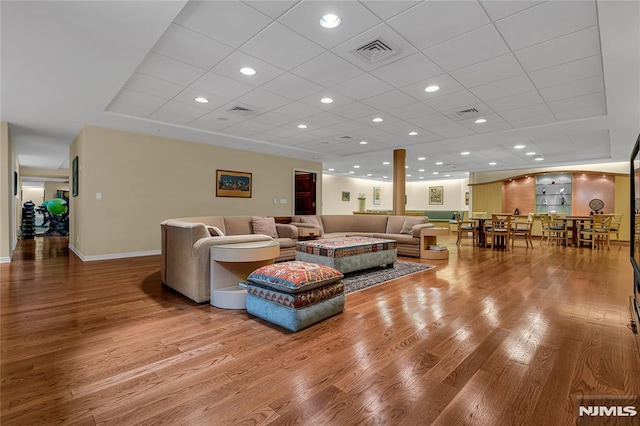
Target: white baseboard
x=113, y=255
x=5, y=260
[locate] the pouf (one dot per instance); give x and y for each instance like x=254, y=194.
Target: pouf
x=295, y=295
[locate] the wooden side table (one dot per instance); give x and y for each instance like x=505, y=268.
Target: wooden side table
x=307, y=233
x=232, y=264
x=429, y=236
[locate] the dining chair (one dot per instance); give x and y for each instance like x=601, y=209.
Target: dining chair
x=597, y=232
x=522, y=229
x=545, y=220
x=614, y=229
x=465, y=229
x=558, y=228
x=499, y=229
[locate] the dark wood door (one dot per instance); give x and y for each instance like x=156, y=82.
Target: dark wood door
x=305, y=193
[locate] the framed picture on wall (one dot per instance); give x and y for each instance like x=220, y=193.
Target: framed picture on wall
x=74, y=177
x=466, y=198
x=15, y=183
x=233, y=184
x=376, y=195
x=435, y=194
x=346, y=196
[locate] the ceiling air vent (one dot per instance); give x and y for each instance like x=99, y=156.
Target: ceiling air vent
x=242, y=111
x=467, y=113
x=376, y=50
x=345, y=138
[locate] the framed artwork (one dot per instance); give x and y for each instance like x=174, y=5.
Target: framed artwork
x=466, y=198
x=346, y=196
x=15, y=183
x=376, y=195
x=74, y=177
x=233, y=184
x=435, y=194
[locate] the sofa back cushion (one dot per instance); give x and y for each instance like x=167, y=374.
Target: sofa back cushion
x=372, y=223
x=217, y=221
x=337, y=223
x=264, y=226
x=238, y=225
x=410, y=222
x=312, y=220
x=394, y=224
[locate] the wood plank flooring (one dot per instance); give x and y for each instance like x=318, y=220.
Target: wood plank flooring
x=487, y=338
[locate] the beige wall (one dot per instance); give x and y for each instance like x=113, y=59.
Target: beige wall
x=145, y=179
x=51, y=188
x=9, y=206
x=34, y=194
x=417, y=194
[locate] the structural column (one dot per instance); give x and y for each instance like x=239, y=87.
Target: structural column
x=399, y=181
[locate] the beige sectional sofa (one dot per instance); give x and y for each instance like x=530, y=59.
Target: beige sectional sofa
x=186, y=244
x=403, y=229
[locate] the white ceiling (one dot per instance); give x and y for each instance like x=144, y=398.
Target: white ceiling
x=561, y=77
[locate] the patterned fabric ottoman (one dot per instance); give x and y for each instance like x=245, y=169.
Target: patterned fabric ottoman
x=295, y=295
x=348, y=254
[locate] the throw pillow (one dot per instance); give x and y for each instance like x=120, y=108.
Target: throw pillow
x=214, y=231
x=409, y=223
x=264, y=226
x=294, y=276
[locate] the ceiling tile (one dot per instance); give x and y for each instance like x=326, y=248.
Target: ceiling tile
x=547, y=21
x=189, y=95
x=327, y=70
x=411, y=111
x=586, y=111
x=276, y=133
x=274, y=118
x=429, y=120
x=503, y=88
x=498, y=9
x=388, y=100
x=338, y=100
x=153, y=86
x=263, y=99
x=325, y=119
x=164, y=68
x=573, y=89
x=516, y=101
x=530, y=111
x=387, y=9
x=215, y=121
x=141, y=99
x=567, y=72
x=298, y=110
x=234, y=24
x=191, y=47
x=282, y=47
x=304, y=19
x=410, y=69
x=460, y=99
x=433, y=22
x=533, y=121
x=362, y=87
x=231, y=65
x=451, y=130
x=292, y=86
x=354, y=110
x=184, y=109
x=271, y=8
x=494, y=69
x=348, y=126
x=578, y=45
x=328, y=132
x=221, y=86
x=130, y=109
x=467, y=49
x=593, y=99
x=245, y=129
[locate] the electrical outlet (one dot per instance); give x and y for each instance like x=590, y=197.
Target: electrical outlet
x=283, y=201
x=275, y=201
x=98, y=195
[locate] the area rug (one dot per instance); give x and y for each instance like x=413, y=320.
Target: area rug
x=356, y=281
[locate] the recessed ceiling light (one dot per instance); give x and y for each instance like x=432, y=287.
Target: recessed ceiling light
x=156, y=130
x=493, y=163
x=519, y=146
x=421, y=177
x=447, y=175
x=439, y=163
x=356, y=167
x=434, y=173
x=539, y=159
x=422, y=158
x=465, y=153
x=421, y=170
x=530, y=153
x=384, y=177
x=351, y=172
x=248, y=71
x=386, y=163
x=431, y=89
x=202, y=100
x=466, y=173
x=406, y=167
x=408, y=175
x=330, y=21
x=363, y=142
x=369, y=174
x=377, y=120
x=331, y=170
x=326, y=100
x=413, y=133
x=302, y=126
x=480, y=121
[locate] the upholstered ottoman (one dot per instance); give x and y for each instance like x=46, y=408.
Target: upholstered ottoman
x=295, y=295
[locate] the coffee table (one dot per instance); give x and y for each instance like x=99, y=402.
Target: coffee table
x=232, y=264
x=348, y=254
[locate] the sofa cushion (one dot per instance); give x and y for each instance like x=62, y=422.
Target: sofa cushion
x=264, y=226
x=312, y=220
x=394, y=224
x=286, y=242
x=294, y=276
x=237, y=225
x=409, y=223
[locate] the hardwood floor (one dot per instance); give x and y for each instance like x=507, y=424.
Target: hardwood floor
x=488, y=337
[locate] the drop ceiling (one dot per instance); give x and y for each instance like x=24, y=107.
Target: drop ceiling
x=560, y=77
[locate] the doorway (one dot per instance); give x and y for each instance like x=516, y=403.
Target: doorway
x=305, y=193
